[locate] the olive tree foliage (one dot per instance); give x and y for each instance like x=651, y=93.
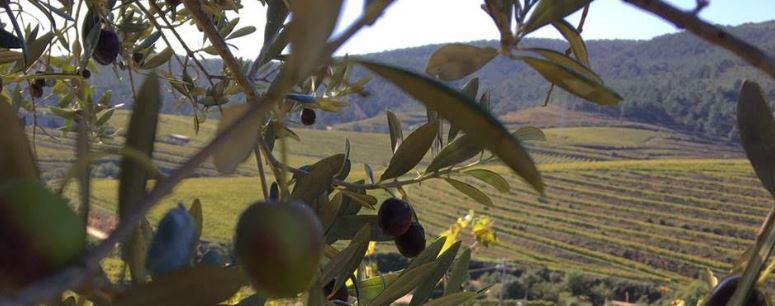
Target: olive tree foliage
x=319, y=203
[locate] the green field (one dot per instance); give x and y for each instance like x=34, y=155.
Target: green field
x=628, y=201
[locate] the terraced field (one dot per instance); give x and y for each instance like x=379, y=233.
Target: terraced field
x=634, y=202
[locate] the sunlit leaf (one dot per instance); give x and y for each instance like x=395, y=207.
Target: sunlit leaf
x=757, y=132
x=548, y=11
x=407, y=282
x=411, y=151
x=455, y=61
x=529, y=133
x=204, y=285
x=567, y=62
x=394, y=126
x=471, y=191
x=490, y=177
x=312, y=22
x=241, y=143
x=458, y=151
x=574, y=82
x=425, y=288
x=573, y=37
x=467, y=115
x=370, y=288
x=158, y=59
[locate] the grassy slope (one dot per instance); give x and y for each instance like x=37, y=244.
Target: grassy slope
x=608, y=210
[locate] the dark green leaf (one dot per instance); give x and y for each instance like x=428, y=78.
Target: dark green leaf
x=149, y=41
x=403, y=285
x=38, y=46
x=573, y=37
x=548, y=11
x=370, y=288
x=396, y=134
x=318, y=180
x=425, y=288
x=757, y=132
x=203, y=285
x=454, y=299
x=411, y=151
x=369, y=173
x=140, y=136
x=362, y=199
x=470, y=191
x=105, y=117
x=467, y=115
x=574, y=82
x=158, y=59
x=458, y=151
x=459, y=273
x=346, y=227
x=490, y=177
x=9, y=41
x=347, y=261
x=455, y=61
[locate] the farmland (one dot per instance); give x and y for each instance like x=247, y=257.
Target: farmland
x=625, y=200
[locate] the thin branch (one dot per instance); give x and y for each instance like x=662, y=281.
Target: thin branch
x=709, y=33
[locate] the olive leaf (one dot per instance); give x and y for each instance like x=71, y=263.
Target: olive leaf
x=453, y=299
x=471, y=191
x=196, y=212
x=318, y=180
x=458, y=151
x=428, y=254
x=370, y=288
x=411, y=151
x=346, y=227
x=158, y=59
x=242, y=32
x=490, y=177
x=276, y=13
x=567, y=62
x=548, y=11
x=9, y=41
x=529, y=133
x=204, y=285
x=467, y=115
x=405, y=283
x=574, y=39
x=312, y=22
x=347, y=261
x=425, y=288
x=137, y=250
x=240, y=144
x=396, y=134
x=458, y=274
x=573, y=81
x=471, y=90
x=757, y=132
x=36, y=48
x=455, y=61
x=16, y=158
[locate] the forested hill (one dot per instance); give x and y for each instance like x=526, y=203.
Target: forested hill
x=673, y=80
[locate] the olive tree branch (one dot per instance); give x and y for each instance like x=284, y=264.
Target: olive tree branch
x=710, y=33
x=79, y=272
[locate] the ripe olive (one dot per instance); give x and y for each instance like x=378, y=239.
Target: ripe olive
x=341, y=294
x=137, y=57
x=107, y=47
x=35, y=90
x=40, y=83
x=279, y=245
x=173, y=244
x=394, y=217
x=726, y=287
x=411, y=243
x=308, y=116
x=86, y=74
x=39, y=234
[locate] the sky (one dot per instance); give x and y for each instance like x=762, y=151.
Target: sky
x=410, y=23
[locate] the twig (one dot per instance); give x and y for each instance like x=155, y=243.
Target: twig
x=709, y=33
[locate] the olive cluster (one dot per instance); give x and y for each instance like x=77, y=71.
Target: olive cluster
x=395, y=219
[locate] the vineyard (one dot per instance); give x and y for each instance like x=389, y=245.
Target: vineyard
x=631, y=201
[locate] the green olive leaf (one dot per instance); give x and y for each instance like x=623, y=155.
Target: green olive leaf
x=396, y=134
x=36, y=48
x=490, y=177
x=573, y=81
x=458, y=151
x=467, y=115
x=244, y=31
x=202, y=285
x=455, y=61
x=548, y=11
x=458, y=274
x=158, y=59
x=574, y=39
x=405, y=283
x=411, y=151
x=318, y=180
x=429, y=254
x=346, y=227
x=9, y=41
x=312, y=22
x=16, y=158
x=425, y=288
x=370, y=288
x=567, y=62
x=529, y=133
x=471, y=191
x=347, y=261
x=757, y=132
x=240, y=145
x=471, y=90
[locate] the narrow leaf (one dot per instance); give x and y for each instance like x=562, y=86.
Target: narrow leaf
x=490, y=177
x=454, y=299
x=396, y=134
x=471, y=191
x=204, y=285
x=346, y=227
x=574, y=82
x=241, y=143
x=158, y=59
x=425, y=288
x=548, y=11
x=529, y=133
x=574, y=39
x=467, y=115
x=471, y=90
x=407, y=282
x=458, y=151
x=757, y=132
x=567, y=62
x=347, y=261
x=429, y=254
x=455, y=61
x=411, y=151
x=459, y=273
x=242, y=32
x=318, y=180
